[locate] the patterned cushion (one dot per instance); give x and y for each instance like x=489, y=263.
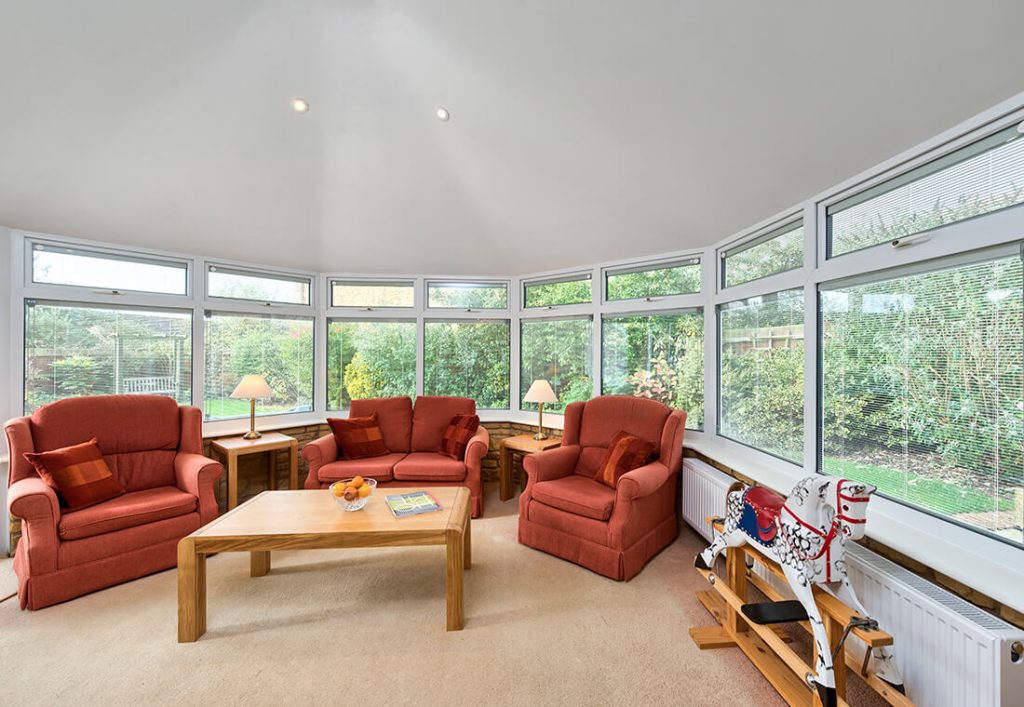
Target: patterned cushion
x=358, y=437
x=625, y=453
x=78, y=474
x=460, y=430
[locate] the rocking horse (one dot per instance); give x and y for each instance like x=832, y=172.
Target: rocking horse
x=806, y=535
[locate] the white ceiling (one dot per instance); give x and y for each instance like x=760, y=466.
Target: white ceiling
x=581, y=130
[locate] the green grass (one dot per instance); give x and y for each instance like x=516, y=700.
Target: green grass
x=230, y=407
x=936, y=495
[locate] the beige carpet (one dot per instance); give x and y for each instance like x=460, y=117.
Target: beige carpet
x=367, y=627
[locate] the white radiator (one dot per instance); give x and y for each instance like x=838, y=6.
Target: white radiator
x=949, y=651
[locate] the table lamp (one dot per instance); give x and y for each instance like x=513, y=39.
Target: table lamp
x=540, y=392
x=250, y=388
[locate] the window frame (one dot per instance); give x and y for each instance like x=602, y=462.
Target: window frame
x=693, y=258
x=576, y=276
x=369, y=320
x=370, y=282
x=265, y=273
x=575, y=316
x=429, y=282
x=775, y=230
x=421, y=361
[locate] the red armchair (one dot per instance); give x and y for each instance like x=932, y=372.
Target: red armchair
x=154, y=448
x=613, y=532
x=413, y=438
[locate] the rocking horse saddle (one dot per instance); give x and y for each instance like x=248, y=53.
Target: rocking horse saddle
x=761, y=507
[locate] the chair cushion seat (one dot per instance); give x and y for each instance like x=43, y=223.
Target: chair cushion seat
x=430, y=466
x=127, y=511
x=577, y=494
x=379, y=468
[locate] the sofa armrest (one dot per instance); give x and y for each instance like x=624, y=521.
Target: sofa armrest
x=317, y=453
x=35, y=503
x=196, y=474
x=477, y=447
x=642, y=481
x=552, y=464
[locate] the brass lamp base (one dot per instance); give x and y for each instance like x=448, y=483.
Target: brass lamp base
x=540, y=425
x=252, y=433
x=540, y=436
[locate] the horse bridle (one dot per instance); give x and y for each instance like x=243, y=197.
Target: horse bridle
x=833, y=530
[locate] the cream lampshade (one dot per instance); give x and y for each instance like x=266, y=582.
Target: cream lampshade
x=540, y=392
x=250, y=388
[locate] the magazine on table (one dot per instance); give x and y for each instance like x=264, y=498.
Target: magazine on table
x=411, y=504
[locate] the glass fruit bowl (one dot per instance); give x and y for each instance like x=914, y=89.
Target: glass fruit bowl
x=337, y=493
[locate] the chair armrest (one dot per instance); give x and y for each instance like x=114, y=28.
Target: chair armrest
x=552, y=463
x=317, y=453
x=196, y=474
x=477, y=447
x=642, y=481
x=33, y=500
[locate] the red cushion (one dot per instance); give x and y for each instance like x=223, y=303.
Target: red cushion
x=78, y=474
x=429, y=466
x=394, y=415
x=625, y=453
x=576, y=494
x=431, y=416
x=358, y=437
x=127, y=511
x=378, y=468
x=456, y=438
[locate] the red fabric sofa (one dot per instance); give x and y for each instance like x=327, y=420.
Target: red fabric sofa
x=413, y=438
x=154, y=448
x=613, y=532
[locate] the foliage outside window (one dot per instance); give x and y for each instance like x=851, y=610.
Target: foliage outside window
x=657, y=281
x=261, y=287
x=778, y=251
x=467, y=295
x=560, y=352
x=74, y=350
x=923, y=390
x=369, y=359
x=985, y=176
x=467, y=358
x=553, y=293
x=357, y=293
x=62, y=265
x=761, y=394
x=658, y=356
x=276, y=347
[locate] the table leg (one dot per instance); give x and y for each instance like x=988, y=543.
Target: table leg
x=272, y=470
x=453, y=578
x=191, y=592
x=232, y=480
x=259, y=563
x=504, y=474
x=293, y=469
x=467, y=543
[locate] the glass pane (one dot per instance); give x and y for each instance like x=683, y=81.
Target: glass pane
x=551, y=294
x=57, y=265
x=659, y=356
x=559, y=351
x=278, y=348
x=468, y=359
x=978, y=179
x=467, y=295
x=773, y=255
x=73, y=350
x=369, y=360
x=762, y=373
x=923, y=391
x=221, y=282
x=660, y=282
x=353, y=293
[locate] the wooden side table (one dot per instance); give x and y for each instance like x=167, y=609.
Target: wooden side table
x=523, y=445
x=231, y=448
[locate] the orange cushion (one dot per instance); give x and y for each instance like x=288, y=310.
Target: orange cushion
x=378, y=468
x=576, y=494
x=456, y=438
x=358, y=437
x=625, y=453
x=429, y=466
x=127, y=511
x=78, y=474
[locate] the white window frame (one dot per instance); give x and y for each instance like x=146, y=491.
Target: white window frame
x=428, y=282
x=404, y=281
x=513, y=377
x=261, y=272
x=543, y=314
x=698, y=258
x=372, y=316
x=576, y=276
x=744, y=243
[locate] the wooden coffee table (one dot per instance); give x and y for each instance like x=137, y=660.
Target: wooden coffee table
x=307, y=520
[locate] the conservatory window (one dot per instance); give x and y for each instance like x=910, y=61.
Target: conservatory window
x=779, y=250
x=650, y=281
x=106, y=270
x=467, y=358
x=554, y=292
x=376, y=294
x=559, y=351
x=230, y=283
x=467, y=295
x=369, y=359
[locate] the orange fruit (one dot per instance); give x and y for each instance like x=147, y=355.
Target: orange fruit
x=365, y=490
x=338, y=490
x=357, y=482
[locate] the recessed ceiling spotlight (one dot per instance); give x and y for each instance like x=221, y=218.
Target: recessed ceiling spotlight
x=300, y=105
x=443, y=114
